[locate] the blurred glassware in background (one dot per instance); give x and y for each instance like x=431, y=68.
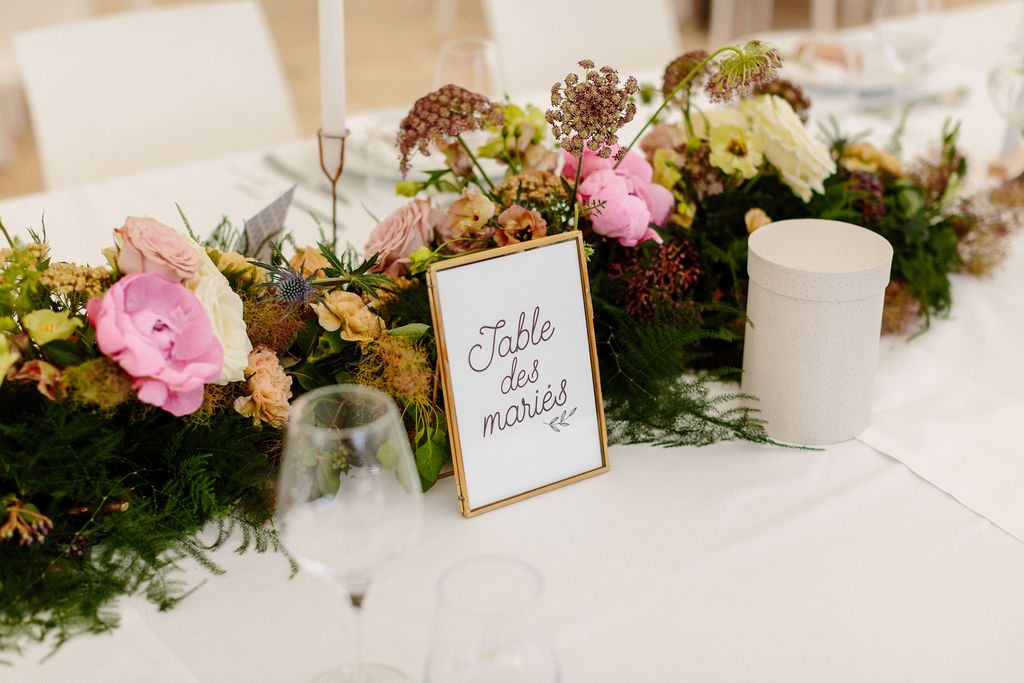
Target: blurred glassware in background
x=1006, y=89
x=906, y=31
x=471, y=63
x=486, y=627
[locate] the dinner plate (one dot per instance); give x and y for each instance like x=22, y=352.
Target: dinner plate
x=822, y=69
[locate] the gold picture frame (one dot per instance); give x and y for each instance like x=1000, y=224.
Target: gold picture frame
x=533, y=445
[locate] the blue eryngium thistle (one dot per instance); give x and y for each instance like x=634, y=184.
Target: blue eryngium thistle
x=742, y=70
x=293, y=288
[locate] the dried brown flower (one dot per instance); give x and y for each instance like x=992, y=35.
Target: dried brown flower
x=441, y=116
x=902, y=310
x=592, y=110
x=789, y=91
x=532, y=186
x=70, y=278
x=678, y=69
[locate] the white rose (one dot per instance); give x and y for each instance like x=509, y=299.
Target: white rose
x=224, y=307
x=802, y=162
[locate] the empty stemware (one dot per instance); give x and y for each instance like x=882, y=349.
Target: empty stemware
x=349, y=497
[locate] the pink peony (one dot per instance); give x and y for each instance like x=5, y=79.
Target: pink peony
x=400, y=234
x=149, y=246
x=160, y=334
x=628, y=202
x=633, y=164
x=618, y=212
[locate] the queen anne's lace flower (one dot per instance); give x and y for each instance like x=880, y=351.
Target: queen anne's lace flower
x=441, y=116
x=740, y=72
x=592, y=110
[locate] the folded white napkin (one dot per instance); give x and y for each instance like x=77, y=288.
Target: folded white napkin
x=949, y=404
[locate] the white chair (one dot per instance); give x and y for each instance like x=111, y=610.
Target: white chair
x=828, y=15
x=732, y=18
x=15, y=16
x=154, y=87
x=540, y=41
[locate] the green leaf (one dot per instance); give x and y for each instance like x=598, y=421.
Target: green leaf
x=387, y=454
x=411, y=332
x=64, y=352
x=431, y=455
x=327, y=478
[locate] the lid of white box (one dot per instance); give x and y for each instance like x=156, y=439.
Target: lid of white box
x=819, y=260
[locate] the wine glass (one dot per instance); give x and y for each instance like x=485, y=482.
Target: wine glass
x=484, y=625
x=1006, y=88
x=349, y=497
x=906, y=30
x=471, y=63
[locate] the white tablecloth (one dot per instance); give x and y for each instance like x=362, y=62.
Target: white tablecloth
x=726, y=563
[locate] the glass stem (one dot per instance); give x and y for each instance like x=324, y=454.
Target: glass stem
x=356, y=600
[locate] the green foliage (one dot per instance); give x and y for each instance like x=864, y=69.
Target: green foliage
x=649, y=399
x=128, y=498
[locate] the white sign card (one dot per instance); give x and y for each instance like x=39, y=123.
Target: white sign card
x=515, y=336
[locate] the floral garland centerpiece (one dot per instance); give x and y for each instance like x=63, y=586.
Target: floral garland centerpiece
x=143, y=400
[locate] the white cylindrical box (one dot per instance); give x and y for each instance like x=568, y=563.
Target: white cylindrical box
x=814, y=309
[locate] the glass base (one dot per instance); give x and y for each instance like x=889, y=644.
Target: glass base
x=365, y=672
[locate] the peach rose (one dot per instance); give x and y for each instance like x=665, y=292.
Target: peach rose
x=519, y=224
x=347, y=311
x=146, y=245
x=755, y=218
x=400, y=234
x=270, y=389
x=231, y=262
x=309, y=260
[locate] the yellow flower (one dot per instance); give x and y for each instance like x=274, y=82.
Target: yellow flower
x=735, y=150
x=667, y=163
x=9, y=355
x=347, y=311
x=45, y=326
x=865, y=157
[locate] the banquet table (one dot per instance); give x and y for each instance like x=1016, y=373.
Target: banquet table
x=895, y=556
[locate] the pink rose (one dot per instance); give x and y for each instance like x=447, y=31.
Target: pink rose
x=400, y=234
x=160, y=334
x=149, y=246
